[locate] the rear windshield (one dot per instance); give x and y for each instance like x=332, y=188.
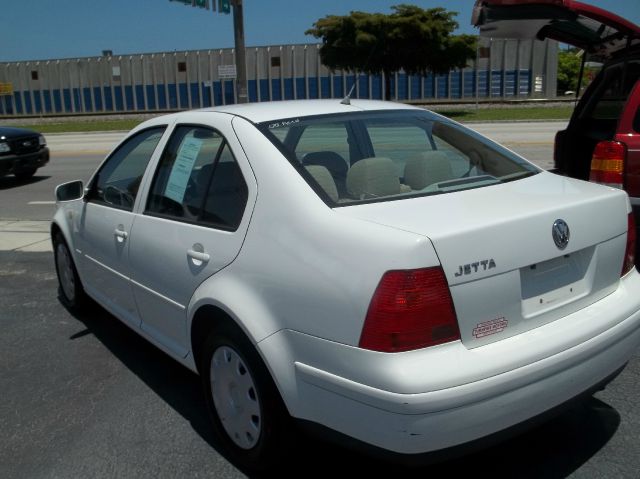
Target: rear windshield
x=391, y=155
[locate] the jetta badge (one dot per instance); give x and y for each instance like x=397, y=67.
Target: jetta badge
x=560, y=233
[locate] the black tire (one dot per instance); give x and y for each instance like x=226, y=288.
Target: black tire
x=70, y=290
x=26, y=174
x=275, y=440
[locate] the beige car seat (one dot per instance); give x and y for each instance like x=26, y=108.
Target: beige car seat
x=372, y=178
x=427, y=168
x=323, y=177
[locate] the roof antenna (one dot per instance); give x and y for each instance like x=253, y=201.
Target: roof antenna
x=347, y=99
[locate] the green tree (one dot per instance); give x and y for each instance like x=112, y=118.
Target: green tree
x=568, y=69
x=410, y=38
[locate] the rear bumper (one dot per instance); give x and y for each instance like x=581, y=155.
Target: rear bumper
x=449, y=453
x=378, y=399
x=16, y=163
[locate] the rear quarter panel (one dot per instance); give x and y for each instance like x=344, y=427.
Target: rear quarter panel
x=304, y=266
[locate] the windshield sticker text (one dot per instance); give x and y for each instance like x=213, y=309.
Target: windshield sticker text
x=284, y=123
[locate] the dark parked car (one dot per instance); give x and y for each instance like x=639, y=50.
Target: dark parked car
x=602, y=141
x=22, y=152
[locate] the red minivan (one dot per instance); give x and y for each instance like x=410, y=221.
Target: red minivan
x=602, y=141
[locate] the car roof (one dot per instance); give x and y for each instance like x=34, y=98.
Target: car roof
x=277, y=110
x=267, y=111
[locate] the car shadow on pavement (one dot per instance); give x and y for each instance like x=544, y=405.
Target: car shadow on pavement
x=554, y=449
x=179, y=387
x=9, y=182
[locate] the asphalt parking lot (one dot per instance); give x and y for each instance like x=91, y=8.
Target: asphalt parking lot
x=83, y=396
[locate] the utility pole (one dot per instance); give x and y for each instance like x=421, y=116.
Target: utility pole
x=241, y=63
x=224, y=6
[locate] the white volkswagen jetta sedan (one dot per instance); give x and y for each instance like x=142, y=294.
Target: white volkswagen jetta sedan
x=372, y=268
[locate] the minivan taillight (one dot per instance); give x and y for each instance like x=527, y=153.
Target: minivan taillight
x=607, y=163
x=410, y=309
x=630, y=250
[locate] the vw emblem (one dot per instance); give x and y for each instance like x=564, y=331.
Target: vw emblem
x=560, y=233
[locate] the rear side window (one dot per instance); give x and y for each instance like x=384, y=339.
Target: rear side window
x=118, y=180
x=198, y=180
x=610, y=98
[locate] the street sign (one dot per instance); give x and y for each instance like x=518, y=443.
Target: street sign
x=223, y=6
x=194, y=3
x=227, y=72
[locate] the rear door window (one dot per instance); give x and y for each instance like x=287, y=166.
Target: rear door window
x=227, y=194
x=198, y=180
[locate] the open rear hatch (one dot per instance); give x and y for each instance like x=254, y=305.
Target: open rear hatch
x=606, y=38
x=590, y=28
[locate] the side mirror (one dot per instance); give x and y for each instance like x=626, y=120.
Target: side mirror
x=74, y=190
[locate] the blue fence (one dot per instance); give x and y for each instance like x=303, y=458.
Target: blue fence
x=455, y=85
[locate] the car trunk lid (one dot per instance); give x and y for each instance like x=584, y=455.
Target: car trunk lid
x=496, y=246
x=575, y=23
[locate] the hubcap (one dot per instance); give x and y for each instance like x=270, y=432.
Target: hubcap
x=235, y=397
x=65, y=272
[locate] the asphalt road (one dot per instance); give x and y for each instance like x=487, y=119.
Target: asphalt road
x=34, y=199
x=84, y=396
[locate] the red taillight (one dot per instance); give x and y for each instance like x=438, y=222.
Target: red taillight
x=630, y=251
x=410, y=309
x=607, y=163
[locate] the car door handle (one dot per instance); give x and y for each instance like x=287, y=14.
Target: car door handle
x=120, y=233
x=198, y=255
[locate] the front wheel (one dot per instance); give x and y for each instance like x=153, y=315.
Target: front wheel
x=70, y=289
x=248, y=415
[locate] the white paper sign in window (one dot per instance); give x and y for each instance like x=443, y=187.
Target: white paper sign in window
x=182, y=168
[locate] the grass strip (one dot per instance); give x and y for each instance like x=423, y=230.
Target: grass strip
x=81, y=126
x=508, y=114
x=462, y=115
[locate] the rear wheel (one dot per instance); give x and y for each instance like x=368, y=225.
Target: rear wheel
x=25, y=174
x=70, y=289
x=247, y=412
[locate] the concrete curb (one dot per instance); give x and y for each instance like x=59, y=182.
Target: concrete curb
x=23, y=236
